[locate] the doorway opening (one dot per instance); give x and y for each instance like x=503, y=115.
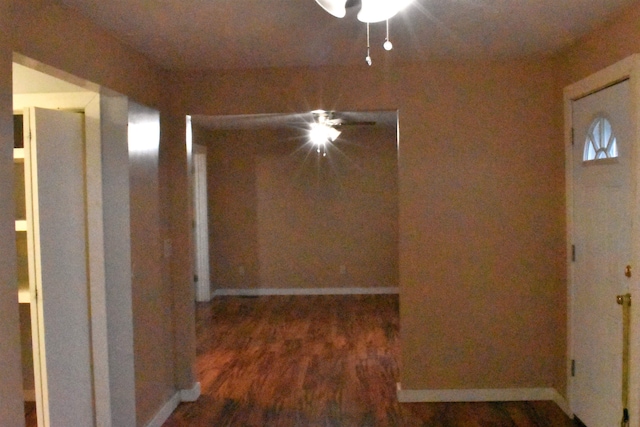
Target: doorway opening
x=287, y=218
x=61, y=172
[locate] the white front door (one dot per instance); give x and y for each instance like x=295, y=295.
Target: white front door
x=602, y=154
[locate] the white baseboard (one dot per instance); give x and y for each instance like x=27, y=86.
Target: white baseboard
x=165, y=412
x=203, y=296
x=190, y=395
x=304, y=291
x=185, y=395
x=563, y=404
x=29, y=395
x=484, y=395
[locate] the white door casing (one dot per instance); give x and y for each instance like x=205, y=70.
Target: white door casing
x=201, y=219
x=602, y=197
x=108, y=241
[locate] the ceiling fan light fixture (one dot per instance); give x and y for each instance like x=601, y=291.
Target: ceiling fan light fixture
x=333, y=133
x=337, y=8
x=370, y=11
x=378, y=10
x=387, y=45
x=321, y=133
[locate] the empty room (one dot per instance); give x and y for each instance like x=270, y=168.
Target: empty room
x=319, y=212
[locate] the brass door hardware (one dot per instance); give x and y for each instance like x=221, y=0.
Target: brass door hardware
x=623, y=299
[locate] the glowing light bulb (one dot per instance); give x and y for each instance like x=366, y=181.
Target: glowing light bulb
x=368, y=59
x=318, y=134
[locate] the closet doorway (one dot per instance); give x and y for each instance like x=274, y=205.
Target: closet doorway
x=69, y=146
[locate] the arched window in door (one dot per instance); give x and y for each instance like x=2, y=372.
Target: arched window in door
x=601, y=141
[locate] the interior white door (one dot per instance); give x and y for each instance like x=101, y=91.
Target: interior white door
x=54, y=159
x=201, y=220
x=602, y=155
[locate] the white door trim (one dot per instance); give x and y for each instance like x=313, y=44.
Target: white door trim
x=108, y=237
x=628, y=68
x=201, y=223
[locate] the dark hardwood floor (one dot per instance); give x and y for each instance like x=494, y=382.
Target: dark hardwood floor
x=30, y=418
x=320, y=361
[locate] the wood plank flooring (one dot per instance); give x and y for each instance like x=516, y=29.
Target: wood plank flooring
x=30, y=417
x=320, y=361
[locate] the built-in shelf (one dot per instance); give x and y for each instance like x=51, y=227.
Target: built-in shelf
x=24, y=296
x=21, y=225
x=18, y=153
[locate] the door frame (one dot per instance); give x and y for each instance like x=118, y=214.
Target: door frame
x=201, y=223
x=79, y=101
x=628, y=68
x=108, y=237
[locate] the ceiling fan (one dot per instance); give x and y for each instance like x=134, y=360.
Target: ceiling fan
x=370, y=11
x=324, y=128
x=337, y=119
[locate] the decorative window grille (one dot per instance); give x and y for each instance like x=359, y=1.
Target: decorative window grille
x=601, y=141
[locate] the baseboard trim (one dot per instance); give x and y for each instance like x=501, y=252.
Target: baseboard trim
x=184, y=395
x=304, y=291
x=165, y=412
x=191, y=394
x=484, y=395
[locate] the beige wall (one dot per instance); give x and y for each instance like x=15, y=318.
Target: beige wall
x=481, y=214
x=292, y=220
x=175, y=201
x=57, y=37
x=482, y=230
x=612, y=42
x=151, y=296
x=232, y=203
x=61, y=38
x=11, y=410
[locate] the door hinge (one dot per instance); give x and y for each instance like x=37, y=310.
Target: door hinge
x=573, y=367
x=195, y=277
x=573, y=253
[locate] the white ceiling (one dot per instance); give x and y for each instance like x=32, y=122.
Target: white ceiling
x=230, y=34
